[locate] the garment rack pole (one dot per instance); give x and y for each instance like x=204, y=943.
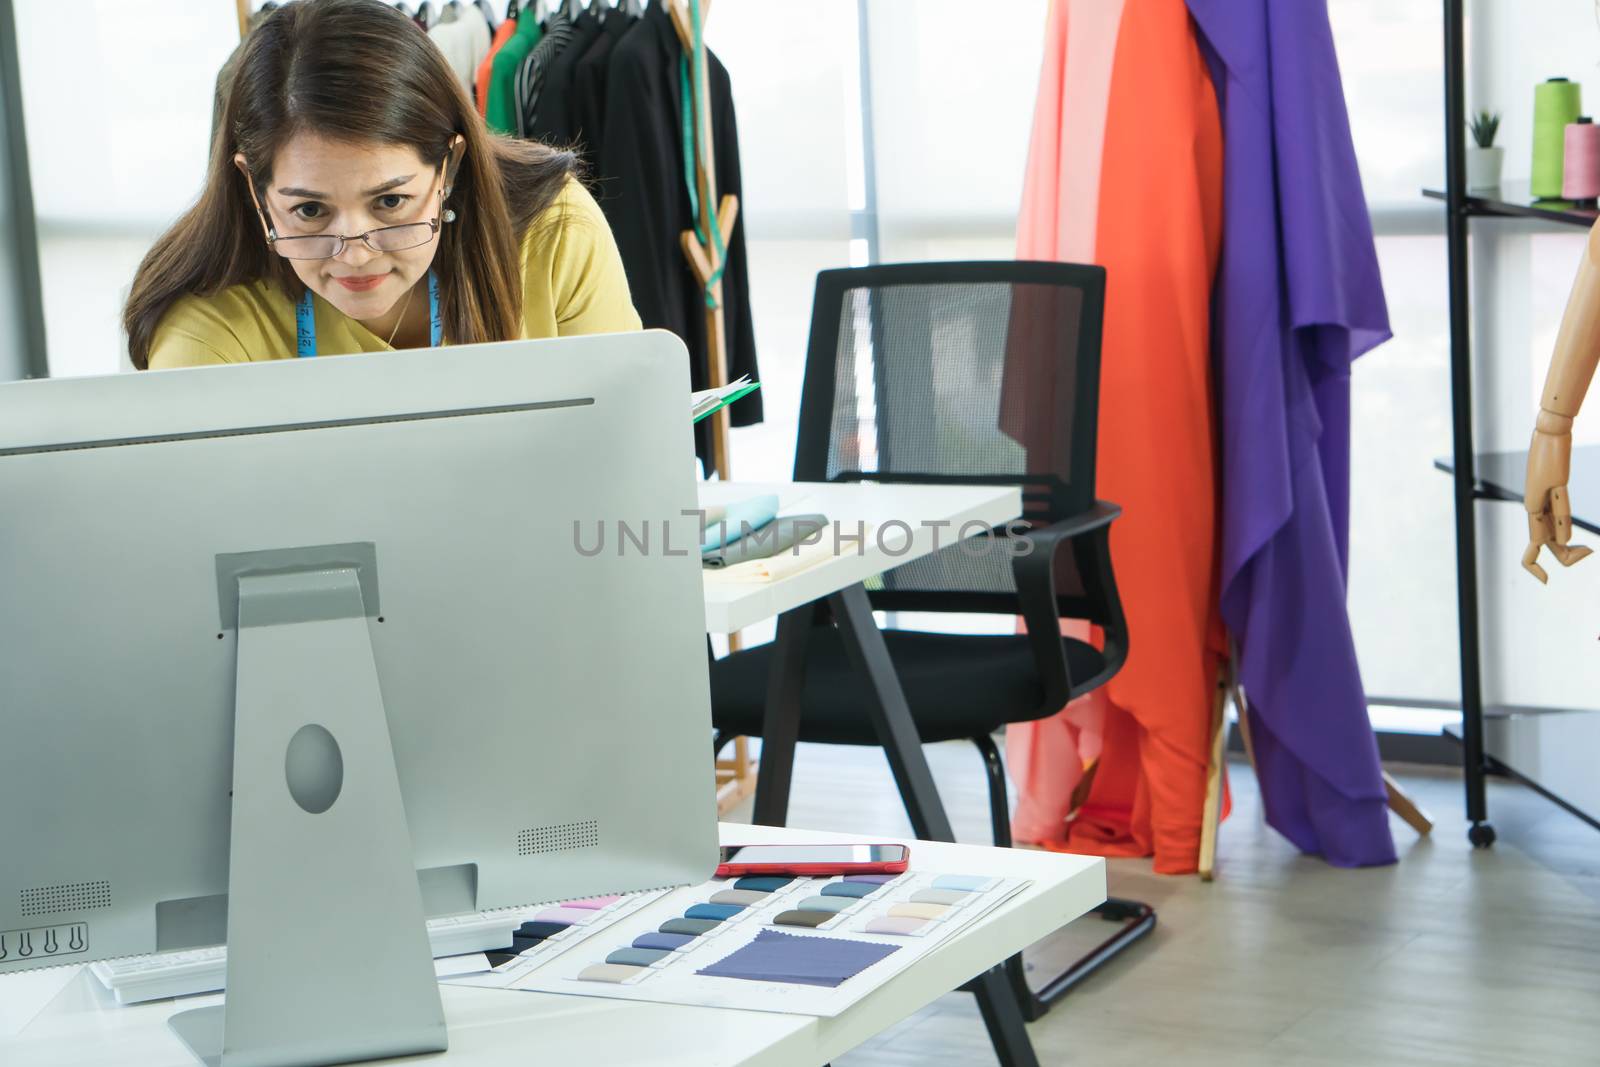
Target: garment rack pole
x=1481, y=831
x=736, y=778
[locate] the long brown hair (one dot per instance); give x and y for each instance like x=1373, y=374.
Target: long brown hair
x=353, y=70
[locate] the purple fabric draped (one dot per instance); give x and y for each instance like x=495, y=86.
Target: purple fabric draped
x=1298, y=297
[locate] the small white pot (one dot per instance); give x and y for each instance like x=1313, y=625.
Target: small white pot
x=1483, y=167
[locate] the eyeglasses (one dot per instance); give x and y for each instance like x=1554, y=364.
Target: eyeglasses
x=328, y=245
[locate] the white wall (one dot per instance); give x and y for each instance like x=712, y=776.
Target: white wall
x=117, y=142
x=953, y=87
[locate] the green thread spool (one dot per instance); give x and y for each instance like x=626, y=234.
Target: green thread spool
x=1556, y=103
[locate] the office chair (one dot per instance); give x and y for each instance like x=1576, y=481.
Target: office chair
x=982, y=372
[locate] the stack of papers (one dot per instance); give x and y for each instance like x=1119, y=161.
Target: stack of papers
x=707, y=401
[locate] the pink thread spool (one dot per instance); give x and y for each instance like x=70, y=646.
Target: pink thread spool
x=1580, y=170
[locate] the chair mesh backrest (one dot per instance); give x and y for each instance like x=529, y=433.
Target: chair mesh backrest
x=960, y=372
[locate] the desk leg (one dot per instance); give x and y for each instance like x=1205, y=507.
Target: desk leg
x=897, y=731
x=1003, y=1018
x=780, y=726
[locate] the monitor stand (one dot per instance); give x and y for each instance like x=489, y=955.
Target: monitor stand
x=328, y=956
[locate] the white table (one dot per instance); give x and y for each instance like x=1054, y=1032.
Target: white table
x=915, y=518
x=82, y=1026
x=732, y=607
x=929, y=516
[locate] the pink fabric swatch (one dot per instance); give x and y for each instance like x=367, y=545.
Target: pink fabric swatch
x=569, y=916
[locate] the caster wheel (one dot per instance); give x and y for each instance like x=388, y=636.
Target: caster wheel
x=1481, y=835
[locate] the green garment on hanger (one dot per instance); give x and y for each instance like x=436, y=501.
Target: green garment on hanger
x=501, y=113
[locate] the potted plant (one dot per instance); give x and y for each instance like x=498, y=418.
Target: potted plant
x=1485, y=157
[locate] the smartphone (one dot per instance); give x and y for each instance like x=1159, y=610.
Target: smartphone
x=740, y=860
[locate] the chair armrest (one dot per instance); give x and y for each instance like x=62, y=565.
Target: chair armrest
x=1096, y=517
x=1034, y=575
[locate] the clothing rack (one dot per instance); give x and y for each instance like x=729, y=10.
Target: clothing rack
x=705, y=260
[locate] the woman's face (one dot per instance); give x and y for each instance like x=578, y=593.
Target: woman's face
x=321, y=186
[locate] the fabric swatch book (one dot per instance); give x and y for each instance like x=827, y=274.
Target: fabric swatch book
x=708, y=401
x=799, y=946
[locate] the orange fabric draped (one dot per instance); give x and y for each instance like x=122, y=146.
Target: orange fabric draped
x=1156, y=229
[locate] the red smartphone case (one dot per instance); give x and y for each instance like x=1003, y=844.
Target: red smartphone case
x=814, y=870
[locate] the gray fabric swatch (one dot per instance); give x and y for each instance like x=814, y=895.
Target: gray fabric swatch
x=779, y=535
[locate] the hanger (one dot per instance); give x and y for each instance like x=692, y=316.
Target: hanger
x=683, y=19
x=632, y=8
x=572, y=9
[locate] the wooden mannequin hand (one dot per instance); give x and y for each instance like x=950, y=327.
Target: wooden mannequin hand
x=1549, y=506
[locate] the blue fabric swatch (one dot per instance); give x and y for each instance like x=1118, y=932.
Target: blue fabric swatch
x=964, y=882
x=779, y=957
x=849, y=889
x=717, y=912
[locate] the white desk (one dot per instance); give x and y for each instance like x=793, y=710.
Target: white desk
x=490, y=1026
x=930, y=514
x=731, y=607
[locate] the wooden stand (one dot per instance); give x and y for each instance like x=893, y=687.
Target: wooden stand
x=1228, y=688
x=736, y=778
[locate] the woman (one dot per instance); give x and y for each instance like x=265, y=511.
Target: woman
x=355, y=202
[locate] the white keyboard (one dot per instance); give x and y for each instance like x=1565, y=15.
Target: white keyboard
x=136, y=979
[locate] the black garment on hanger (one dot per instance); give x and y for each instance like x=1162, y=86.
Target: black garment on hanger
x=552, y=119
x=588, y=94
x=646, y=199
x=529, y=84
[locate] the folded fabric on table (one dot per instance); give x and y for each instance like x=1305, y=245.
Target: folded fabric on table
x=778, y=957
x=794, y=559
x=777, y=536
x=726, y=523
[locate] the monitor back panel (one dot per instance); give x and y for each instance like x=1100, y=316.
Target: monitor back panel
x=547, y=703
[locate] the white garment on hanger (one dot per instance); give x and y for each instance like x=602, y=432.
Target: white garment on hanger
x=464, y=42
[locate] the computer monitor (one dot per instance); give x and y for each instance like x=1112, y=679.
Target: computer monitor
x=261, y=607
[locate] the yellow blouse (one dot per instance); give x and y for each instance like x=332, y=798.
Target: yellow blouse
x=572, y=283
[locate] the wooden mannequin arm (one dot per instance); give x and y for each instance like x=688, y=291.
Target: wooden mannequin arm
x=1572, y=368
x=1577, y=345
